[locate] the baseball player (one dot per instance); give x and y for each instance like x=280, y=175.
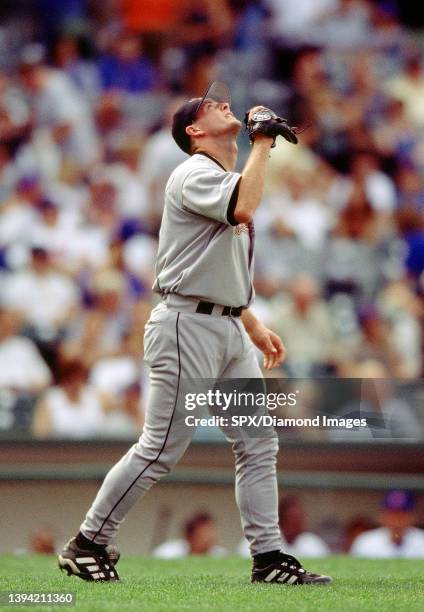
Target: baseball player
x=202, y=329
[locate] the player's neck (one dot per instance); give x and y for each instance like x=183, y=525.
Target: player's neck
x=224, y=151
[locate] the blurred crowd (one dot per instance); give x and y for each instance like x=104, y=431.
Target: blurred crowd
x=87, y=92
x=392, y=530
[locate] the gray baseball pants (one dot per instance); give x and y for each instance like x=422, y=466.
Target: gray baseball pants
x=181, y=344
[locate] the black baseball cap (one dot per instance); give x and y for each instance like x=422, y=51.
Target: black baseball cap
x=186, y=114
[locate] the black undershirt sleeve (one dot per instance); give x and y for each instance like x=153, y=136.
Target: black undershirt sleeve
x=232, y=204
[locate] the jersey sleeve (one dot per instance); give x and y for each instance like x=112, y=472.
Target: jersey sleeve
x=211, y=193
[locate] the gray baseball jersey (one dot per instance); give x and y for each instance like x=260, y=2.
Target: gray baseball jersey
x=203, y=253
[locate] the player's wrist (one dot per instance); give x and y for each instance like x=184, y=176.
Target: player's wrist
x=255, y=327
x=262, y=140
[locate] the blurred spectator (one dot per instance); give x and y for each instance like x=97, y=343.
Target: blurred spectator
x=351, y=266
x=125, y=67
x=204, y=26
x=397, y=536
x=19, y=215
x=347, y=26
x=139, y=257
x=411, y=190
x=251, y=21
x=72, y=409
x=389, y=34
x=57, y=107
x=101, y=208
x=297, y=541
x=376, y=342
x=124, y=417
x=14, y=112
x=68, y=57
x=59, y=16
x=305, y=326
x=293, y=525
x=57, y=230
x=377, y=186
x=364, y=101
x=200, y=538
x=395, y=135
x=115, y=373
x=7, y=172
x=22, y=369
x=80, y=232
x=293, y=20
x=131, y=201
x=46, y=297
x=411, y=226
x=279, y=259
x=408, y=87
x=98, y=332
x=299, y=213
x=403, y=309
x=150, y=16
x=354, y=528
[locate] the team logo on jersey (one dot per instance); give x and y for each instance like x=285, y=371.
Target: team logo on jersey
x=240, y=228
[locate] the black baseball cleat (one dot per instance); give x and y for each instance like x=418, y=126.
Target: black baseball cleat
x=287, y=570
x=94, y=565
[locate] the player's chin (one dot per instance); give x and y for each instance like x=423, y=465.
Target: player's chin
x=234, y=126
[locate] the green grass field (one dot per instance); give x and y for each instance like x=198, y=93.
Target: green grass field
x=223, y=585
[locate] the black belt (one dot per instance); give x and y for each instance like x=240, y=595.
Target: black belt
x=207, y=308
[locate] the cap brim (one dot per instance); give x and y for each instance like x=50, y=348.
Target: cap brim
x=218, y=92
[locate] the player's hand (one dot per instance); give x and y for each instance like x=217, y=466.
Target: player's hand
x=270, y=344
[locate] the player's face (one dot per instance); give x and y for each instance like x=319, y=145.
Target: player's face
x=216, y=118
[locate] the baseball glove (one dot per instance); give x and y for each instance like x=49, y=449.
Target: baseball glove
x=265, y=121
